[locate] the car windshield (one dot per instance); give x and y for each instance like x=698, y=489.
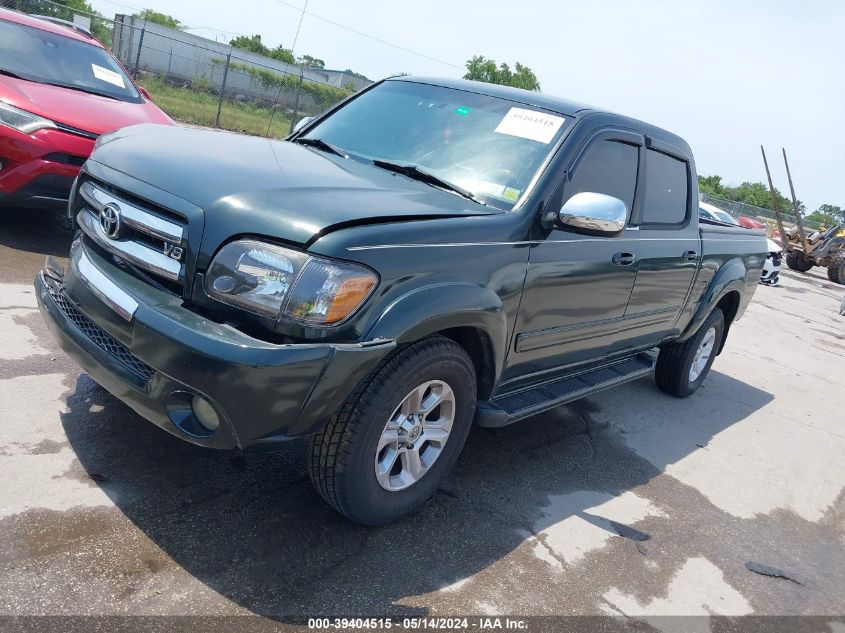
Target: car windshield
x=48, y=58
x=487, y=146
x=724, y=216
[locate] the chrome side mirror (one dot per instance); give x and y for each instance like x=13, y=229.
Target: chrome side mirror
x=594, y=214
x=302, y=123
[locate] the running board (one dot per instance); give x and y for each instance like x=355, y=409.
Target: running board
x=512, y=407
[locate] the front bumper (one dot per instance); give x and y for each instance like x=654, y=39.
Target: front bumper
x=163, y=354
x=38, y=169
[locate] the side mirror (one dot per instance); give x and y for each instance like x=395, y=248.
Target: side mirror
x=594, y=214
x=145, y=92
x=302, y=123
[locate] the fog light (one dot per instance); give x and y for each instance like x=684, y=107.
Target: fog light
x=205, y=413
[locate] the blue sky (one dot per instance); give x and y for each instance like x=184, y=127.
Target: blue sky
x=727, y=76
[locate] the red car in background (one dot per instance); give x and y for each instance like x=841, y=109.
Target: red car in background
x=59, y=90
x=750, y=223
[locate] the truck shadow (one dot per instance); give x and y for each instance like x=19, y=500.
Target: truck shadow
x=250, y=527
x=32, y=234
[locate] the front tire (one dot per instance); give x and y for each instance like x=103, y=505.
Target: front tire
x=836, y=269
x=796, y=260
x=682, y=367
x=384, y=454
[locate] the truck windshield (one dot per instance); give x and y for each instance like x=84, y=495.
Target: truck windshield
x=484, y=145
x=48, y=58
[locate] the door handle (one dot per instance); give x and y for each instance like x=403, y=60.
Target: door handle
x=623, y=259
x=689, y=256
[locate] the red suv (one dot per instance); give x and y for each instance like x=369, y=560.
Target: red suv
x=59, y=90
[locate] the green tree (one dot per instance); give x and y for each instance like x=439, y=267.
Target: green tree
x=161, y=18
x=479, y=68
x=822, y=218
x=251, y=43
x=753, y=193
x=282, y=54
x=834, y=211
x=311, y=62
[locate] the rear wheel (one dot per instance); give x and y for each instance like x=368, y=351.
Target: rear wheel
x=384, y=454
x=796, y=260
x=836, y=269
x=682, y=367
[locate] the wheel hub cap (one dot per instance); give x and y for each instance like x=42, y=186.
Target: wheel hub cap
x=702, y=354
x=414, y=436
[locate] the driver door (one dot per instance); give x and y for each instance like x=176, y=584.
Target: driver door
x=578, y=286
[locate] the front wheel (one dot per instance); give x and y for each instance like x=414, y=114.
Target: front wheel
x=682, y=367
x=797, y=260
x=836, y=269
x=384, y=454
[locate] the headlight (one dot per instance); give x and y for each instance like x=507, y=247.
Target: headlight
x=286, y=284
x=22, y=120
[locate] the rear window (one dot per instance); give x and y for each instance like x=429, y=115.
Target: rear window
x=49, y=58
x=666, y=187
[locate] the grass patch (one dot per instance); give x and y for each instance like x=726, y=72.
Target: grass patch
x=200, y=108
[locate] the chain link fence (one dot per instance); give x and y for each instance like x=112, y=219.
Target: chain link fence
x=205, y=83
x=767, y=215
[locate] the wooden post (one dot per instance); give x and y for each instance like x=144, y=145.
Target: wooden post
x=778, y=217
x=798, y=219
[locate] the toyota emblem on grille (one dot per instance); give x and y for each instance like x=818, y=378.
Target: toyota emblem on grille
x=110, y=221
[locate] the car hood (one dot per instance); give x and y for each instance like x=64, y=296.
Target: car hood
x=77, y=109
x=253, y=185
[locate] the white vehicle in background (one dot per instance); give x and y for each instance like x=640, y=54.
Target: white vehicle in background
x=771, y=269
x=709, y=212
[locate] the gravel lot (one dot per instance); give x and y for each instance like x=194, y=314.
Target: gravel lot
x=629, y=503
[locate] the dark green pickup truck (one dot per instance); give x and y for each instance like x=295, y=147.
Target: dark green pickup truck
x=428, y=254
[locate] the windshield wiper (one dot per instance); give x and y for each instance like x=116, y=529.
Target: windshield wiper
x=90, y=91
x=319, y=143
x=412, y=171
x=9, y=73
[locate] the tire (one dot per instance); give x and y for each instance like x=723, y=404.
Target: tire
x=675, y=360
x=836, y=269
x=344, y=456
x=795, y=260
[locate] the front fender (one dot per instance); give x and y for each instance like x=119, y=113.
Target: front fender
x=438, y=307
x=730, y=277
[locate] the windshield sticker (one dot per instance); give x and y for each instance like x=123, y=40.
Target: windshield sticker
x=530, y=124
x=491, y=188
x=109, y=76
x=464, y=110
x=510, y=194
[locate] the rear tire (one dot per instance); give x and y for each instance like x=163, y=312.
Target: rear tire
x=682, y=367
x=836, y=269
x=796, y=260
x=372, y=479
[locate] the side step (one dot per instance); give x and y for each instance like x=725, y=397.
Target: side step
x=512, y=407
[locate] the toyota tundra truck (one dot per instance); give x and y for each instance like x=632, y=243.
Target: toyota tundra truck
x=427, y=255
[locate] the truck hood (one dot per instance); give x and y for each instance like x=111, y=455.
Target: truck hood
x=259, y=186
x=81, y=110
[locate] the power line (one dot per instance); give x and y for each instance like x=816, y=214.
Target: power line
x=367, y=35
x=299, y=26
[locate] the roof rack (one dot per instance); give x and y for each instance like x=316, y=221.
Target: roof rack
x=60, y=22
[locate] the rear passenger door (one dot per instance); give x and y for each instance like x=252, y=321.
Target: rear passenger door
x=669, y=246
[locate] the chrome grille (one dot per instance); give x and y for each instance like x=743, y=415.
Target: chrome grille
x=142, y=237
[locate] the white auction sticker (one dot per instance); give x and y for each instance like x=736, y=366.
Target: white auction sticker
x=530, y=124
x=104, y=74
